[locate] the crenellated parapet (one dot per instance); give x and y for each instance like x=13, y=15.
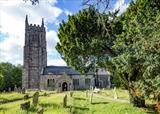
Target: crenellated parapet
x=34, y=27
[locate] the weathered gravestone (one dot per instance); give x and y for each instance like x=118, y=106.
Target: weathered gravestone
x=23, y=90
x=25, y=106
x=71, y=93
x=40, y=111
x=15, y=89
x=87, y=94
x=35, y=98
x=115, y=93
x=65, y=101
x=26, y=96
x=9, y=89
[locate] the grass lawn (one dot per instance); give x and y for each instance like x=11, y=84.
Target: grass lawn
x=79, y=104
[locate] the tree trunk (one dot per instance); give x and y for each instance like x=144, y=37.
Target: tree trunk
x=136, y=100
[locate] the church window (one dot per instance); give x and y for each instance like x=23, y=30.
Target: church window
x=76, y=82
x=50, y=82
x=87, y=81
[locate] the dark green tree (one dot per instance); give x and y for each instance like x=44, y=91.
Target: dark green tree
x=12, y=75
x=83, y=43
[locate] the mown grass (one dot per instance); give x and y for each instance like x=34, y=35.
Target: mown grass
x=13, y=96
x=78, y=104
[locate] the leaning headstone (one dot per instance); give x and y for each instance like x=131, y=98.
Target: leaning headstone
x=25, y=106
x=35, y=98
x=65, y=101
x=40, y=111
x=115, y=93
x=23, y=90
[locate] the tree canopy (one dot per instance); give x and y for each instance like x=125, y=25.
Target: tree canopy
x=10, y=76
x=128, y=45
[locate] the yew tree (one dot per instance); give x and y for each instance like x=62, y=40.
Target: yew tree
x=83, y=43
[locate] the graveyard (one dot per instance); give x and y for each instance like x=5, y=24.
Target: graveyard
x=71, y=102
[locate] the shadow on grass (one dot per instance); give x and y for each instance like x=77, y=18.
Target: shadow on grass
x=45, y=105
x=3, y=109
x=78, y=107
x=78, y=98
x=95, y=103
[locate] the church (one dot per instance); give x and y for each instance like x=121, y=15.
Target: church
x=36, y=73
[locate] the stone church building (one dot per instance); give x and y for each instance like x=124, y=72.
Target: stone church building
x=36, y=73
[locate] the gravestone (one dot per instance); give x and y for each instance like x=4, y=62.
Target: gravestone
x=25, y=106
x=40, y=111
x=115, y=93
x=35, y=98
x=23, y=90
x=26, y=96
x=65, y=101
x=19, y=90
x=71, y=93
x=9, y=89
x=15, y=89
x=87, y=94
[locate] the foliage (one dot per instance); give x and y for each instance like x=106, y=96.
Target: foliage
x=139, y=45
x=83, y=43
x=12, y=75
x=34, y=2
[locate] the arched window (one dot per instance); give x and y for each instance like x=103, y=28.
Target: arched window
x=50, y=82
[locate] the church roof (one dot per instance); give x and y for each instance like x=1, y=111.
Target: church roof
x=59, y=70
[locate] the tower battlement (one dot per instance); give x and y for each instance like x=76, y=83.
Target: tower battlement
x=34, y=27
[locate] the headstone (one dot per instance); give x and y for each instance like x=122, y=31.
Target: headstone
x=115, y=93
x=65, y=101
x=71, y=93
x=45, y=94
x=25, y=106
x=91, y=97
x=40, y=111
x=26, y=96
x=9, y=89
x=23, y=90
x=35, y=98
x=19, y=90
x=87, y=94
x=15, y=89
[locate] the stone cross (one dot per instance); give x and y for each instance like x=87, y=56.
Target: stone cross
x=35, y=98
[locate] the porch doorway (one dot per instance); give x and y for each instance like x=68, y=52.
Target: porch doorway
x=64, y=86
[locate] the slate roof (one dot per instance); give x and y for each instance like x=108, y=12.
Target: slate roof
x=59, y=70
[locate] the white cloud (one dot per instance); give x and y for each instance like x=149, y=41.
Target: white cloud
x=121, y=5
x=67, y=12
x=12, y=16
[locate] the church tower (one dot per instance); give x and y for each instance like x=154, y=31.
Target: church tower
x=35, y=54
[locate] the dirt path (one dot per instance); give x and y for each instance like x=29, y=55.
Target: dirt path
x=112, y=99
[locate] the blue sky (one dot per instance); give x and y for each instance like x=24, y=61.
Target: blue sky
x=12, y=16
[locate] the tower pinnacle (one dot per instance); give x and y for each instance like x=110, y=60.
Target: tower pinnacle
x=26, y=21
x=42, y=23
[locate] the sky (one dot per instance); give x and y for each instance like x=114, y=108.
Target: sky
x=12, y=25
